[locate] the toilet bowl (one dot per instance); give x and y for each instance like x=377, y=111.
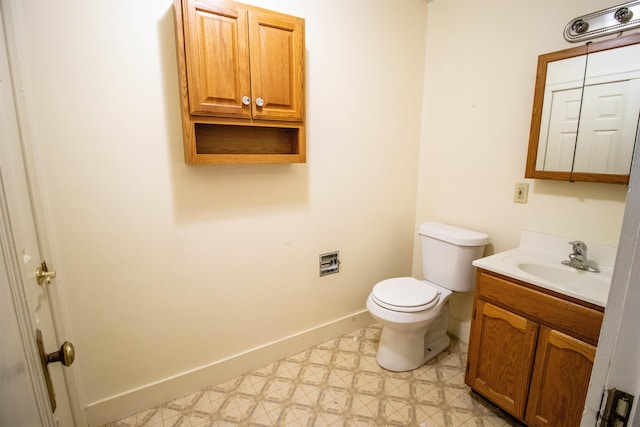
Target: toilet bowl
x=404, y=344
x=414, y=314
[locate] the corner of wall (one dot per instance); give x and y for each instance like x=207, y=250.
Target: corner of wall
x=460, y=329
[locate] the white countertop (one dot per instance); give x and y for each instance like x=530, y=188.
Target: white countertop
x=545, y=253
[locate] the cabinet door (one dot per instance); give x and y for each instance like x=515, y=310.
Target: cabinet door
x=500, y=357
x=277, y=61
x=217, y=56
x=560, y=380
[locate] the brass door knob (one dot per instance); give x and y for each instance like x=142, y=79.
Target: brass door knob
x=66, y=355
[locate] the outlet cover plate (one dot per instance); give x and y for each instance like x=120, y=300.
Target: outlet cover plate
x=521, y=192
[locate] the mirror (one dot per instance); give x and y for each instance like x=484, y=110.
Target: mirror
x=585, y=112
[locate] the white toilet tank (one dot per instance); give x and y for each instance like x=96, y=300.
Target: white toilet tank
x=447, y=254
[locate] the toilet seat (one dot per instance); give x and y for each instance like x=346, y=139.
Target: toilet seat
x=405, y=294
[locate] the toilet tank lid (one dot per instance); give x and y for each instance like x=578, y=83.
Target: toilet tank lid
x=455, y=235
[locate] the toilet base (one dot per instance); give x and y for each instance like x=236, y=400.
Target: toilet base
x=402, y=350
x=405, y=359
x=435, y=348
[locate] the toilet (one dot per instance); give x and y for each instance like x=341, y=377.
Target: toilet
x=414, y=314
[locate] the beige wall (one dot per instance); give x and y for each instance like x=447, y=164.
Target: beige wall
x=165, y=267
x=479, y=82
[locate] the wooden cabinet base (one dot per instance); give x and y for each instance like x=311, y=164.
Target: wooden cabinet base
x=522, y=356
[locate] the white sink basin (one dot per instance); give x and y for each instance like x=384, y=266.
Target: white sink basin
x=565, y=276
x=548, y=272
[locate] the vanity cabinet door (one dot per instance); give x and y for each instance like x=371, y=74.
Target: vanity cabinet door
x=560, y=380
x=501, y=350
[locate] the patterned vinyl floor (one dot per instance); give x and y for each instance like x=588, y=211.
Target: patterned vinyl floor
x=337, y=383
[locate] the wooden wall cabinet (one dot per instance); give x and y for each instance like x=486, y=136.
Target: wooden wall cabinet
x=531, y=351
x=241, y=71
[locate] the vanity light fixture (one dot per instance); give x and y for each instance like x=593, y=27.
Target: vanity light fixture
x=613, y=20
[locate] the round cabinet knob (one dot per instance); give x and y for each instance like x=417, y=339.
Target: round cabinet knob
x=246, y=100
x=259, y=102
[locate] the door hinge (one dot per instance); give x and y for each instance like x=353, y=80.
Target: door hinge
x=617, y=408
x=474, y=314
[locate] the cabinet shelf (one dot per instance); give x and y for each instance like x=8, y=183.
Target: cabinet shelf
x=226, y=139
x=231, y=143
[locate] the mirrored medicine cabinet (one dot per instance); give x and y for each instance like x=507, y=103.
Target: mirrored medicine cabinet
x=586, y=108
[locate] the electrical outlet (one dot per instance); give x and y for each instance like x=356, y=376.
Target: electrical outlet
x=521, y=192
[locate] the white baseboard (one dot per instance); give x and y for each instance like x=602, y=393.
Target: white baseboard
x=133, y=401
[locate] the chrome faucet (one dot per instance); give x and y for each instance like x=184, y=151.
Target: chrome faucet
x=578, y=258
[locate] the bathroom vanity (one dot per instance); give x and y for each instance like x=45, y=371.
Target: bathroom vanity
x=533, y=336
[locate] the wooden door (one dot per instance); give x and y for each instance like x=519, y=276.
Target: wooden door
x=217, y=57
x=277, y=66
x=500, y=357
x=25, y=306
x=560, y=380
